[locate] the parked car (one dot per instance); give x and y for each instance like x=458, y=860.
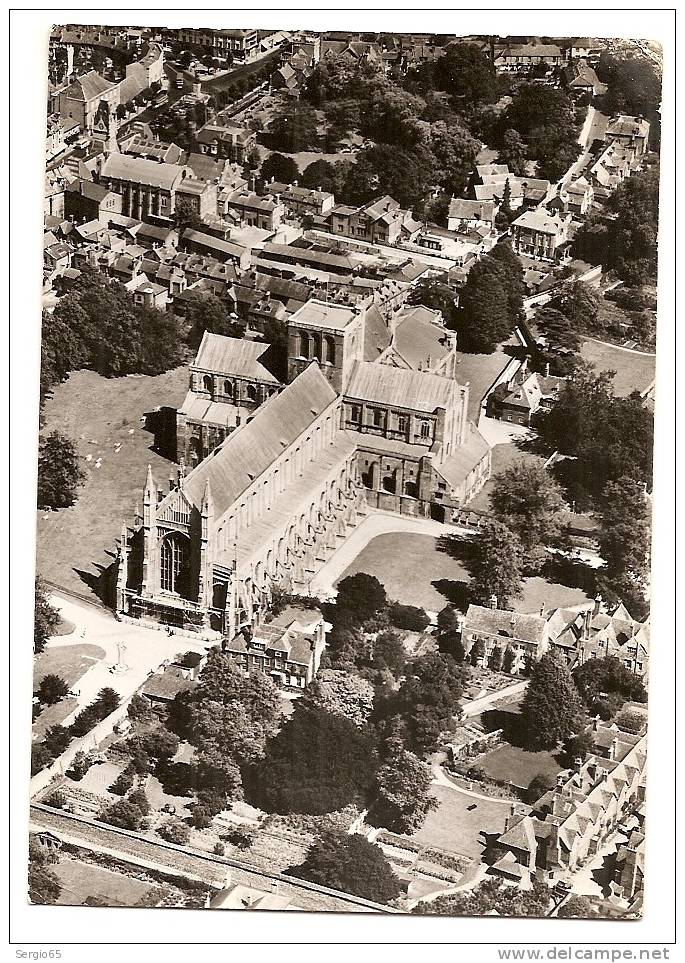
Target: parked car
x=562, y=888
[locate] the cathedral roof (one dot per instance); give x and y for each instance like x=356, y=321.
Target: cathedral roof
x=233, y=356
x=252, y=448
x=400, y=387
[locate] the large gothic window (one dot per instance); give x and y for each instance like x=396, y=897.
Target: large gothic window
x=174, y=563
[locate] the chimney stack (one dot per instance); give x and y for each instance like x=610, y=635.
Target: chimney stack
x=493, y=601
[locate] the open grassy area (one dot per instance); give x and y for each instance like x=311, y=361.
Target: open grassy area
x=518, y=766
x=69, y=662
x=462, y=823
x=634, y=371
x=99, y=414
x=79, y=880
x=415, y=570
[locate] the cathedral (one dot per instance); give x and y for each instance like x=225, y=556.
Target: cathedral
x=274, y=476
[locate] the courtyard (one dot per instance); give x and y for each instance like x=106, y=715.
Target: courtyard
x=104, y=418
x=416, y=569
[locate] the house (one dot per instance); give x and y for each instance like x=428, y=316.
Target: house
x=379, y=221
x=242, y=44
x=567, y=826
x=85, y=200
x=581, y=77
x=632, y=132
x=524, y=56
x=197, y=242
x=289, y=649
x=488, y=628
x=80, y=101
x=238, y=896
x=584, y=48
x=522, y=397
x=229, y=141
x=162, y=688
x=148, y=188
x=470, y=214
x=579, y=196
x=252, y=210
x=147, y=293
x=596, y=631
x=141, y=146
x=540, y=234
x=302, y=201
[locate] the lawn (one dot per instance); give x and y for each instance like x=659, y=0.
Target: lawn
x=634, y=371
x=414, y=570
x=517, y=766
x=79, y=880
x=69, y=662
x=99, y=414
x=457, y=828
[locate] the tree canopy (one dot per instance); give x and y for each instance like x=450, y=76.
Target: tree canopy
x=492, y=895
x=46, y=618
x=59, y=471
x=526, y=498
x=402, y=794
x=496, y=566
x=350, y=863
x=551, y=710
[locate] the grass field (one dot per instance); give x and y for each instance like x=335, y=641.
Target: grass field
x=80, y=880
x=634, y=371
x=518, y=766
x=69, y=662
x=98, y=414
x=456, y=827
x=415, y=571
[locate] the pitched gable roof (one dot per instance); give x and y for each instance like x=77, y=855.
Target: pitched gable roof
x=400, y=387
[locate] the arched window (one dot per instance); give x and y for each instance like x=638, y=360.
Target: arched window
x=228, y=388
x=207, y=384
x=304, y=344
x=174, y=563
x=251, y=393
x=425, y=429
x=411, y=489
x=329, y=349
x=316, y=346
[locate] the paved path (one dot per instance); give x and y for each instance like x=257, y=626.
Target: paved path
x=376, y=523
x=146, y=648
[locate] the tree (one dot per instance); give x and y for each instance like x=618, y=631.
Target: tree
x=123, y=782
x=625, y=529
x=319, y=762
x=155, y=742
x=491, y=896
x=496, y=567
x=280, y=169
x=80, y=765
x=466, y=72
x=551, y=709
x=186, y=217
x=496, y=659
x=46, y=618
x=631, y=720
x=437, y=296
x=558, y=330
x=477, y=653
x=343, y=693
x=56, y=739
x=351, y=864
x=513, y=153
x=508, y=659
x=44, y=885
x=575, y=907
x=295, y=128
x=123, y=813
x=609, y=438
x=579, y=303
x=174, y=831
x=403, y=798
x=486, y=318
x=41, y=756
x=428, y=702
x=320, y=174
x=539, y=785
x=106, y=701
x=389, y=652
x=139, y=708
x=361, y=596
x=410, y=617
x=527, y=499
x=52, y=688
x=597, y=678
x=59, y=472
x=205, y=311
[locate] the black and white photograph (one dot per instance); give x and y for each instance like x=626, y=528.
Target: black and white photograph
x=345, y=422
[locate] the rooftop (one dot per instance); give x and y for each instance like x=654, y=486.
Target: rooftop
x=321, y=314
x=400, y=387
x=233, y=356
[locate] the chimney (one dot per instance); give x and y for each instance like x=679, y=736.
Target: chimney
x=599, y=604
x=547, y=370
x=493, y=601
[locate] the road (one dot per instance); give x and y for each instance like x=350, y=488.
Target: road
x=216, y=871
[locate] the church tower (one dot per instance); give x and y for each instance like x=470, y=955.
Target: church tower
x=150, y=547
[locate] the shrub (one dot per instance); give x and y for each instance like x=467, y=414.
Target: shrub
x=218, y=849
x=409, y=617
x=57, y=738
x=122, y=783
x=80, y=766
x=174, y=831
x=56, y=799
